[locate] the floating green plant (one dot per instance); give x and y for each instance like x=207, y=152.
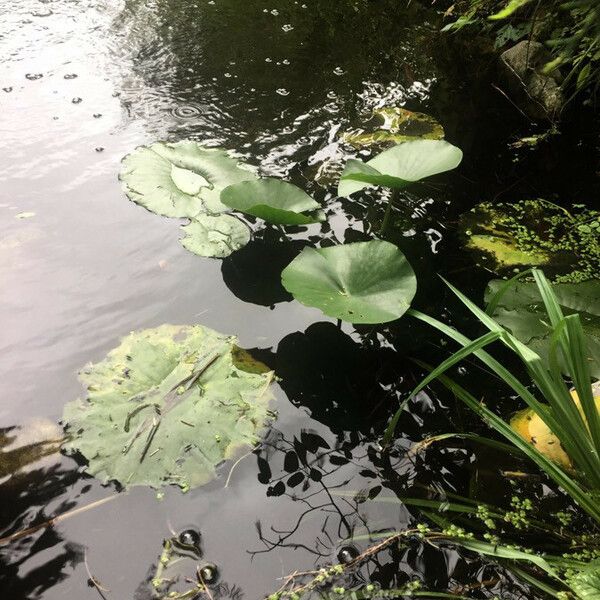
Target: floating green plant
x=520, y=309
x=216, y=236
x=363, y=282
x=183, y=179
x=273, y=201
x=167, y=406
x=396, y=125
x=506, y=237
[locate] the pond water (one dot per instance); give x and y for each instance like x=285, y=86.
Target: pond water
x=83, y=82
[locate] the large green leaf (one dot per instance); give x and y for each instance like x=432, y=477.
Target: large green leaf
x=364, y=282
x=520, y=309
x=274, y=201
x=505, y=237
x=180, y=180
x=166, y=407
x=401, y=165
x=216, y=236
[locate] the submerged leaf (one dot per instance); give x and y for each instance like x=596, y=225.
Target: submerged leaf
x=183, y=179
x=217, y=236
x=273, y=200
x=364, y=282
x=520, y=309
x=532, y=428
x=535, y=233
x=399, y=125
x=401, y=165
x=167, y=406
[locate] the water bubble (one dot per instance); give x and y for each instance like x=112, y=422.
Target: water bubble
x=347, y=554
x=338, y=71
x=77, y=100
x=287, y=27
x=190, y=537
x=70, y=76
x=268, y=59
x=461, y=371
x=187, y=111
x=274, y=12
x=282, y=91
x=7, y=89
x=33, y=76
x=227, y=74
x=208, y=574
x=285, y=61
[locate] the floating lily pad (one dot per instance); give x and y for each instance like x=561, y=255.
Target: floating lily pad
x=364, y=282
x=180, y=180
x=167, y=406
x=274, y=201
x=505, y=237
x=397, y=125
x=521, y=310
x=216, y=236
x=400, y=166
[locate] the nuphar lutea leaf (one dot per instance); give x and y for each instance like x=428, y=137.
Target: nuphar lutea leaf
x=167, y=406
x=183, y=179
x=363, y=282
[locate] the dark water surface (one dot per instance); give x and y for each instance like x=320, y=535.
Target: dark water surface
x=83, y=82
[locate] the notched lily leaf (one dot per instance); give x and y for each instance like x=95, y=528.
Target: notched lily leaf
x=363, y=282
x=274, y=201
x=183, y=179
x=167, y=406
x=400, y=165
x=216, y=236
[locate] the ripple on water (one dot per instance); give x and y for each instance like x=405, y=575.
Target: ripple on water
x=186, y=111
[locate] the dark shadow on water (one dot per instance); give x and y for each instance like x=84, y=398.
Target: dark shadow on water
x=253, y=273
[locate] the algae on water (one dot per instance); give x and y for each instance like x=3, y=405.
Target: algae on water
x=512, y=237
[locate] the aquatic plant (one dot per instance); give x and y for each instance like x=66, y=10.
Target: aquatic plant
x=535, y=233
x=215, y=236
x=395, y=125
x=577, y=427
x=398, y=168
x=273, y=201
x=167, y=406
x=520, y=309
x=181, y=179
x=363, y=282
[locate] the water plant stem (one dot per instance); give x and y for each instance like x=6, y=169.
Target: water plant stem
x=388, y=211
